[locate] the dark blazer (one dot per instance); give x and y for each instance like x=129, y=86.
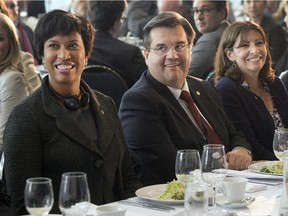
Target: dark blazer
x=5, y=202
x=250, y=115
x=282, y=64
x=125, y=58
x=42, y=139
x=275, y=37
x=156, y=126
x=204, y=51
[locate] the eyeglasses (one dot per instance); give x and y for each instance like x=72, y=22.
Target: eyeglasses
x=204, y=11
x=164, y=49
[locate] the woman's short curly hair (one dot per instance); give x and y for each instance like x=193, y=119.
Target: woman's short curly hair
x=59, y=22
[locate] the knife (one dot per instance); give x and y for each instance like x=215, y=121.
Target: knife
x=147, y=205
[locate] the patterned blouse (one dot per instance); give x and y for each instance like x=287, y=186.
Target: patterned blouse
x=274, y=114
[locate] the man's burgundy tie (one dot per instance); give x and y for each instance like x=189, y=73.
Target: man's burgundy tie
x=206, y=129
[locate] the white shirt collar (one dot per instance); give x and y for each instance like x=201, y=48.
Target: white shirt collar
x=177, y=92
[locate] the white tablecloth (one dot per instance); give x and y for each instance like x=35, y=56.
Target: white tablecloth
x=267, y=202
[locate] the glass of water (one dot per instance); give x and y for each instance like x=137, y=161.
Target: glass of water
x=187, y=164
x=214, y=168
x=74, y=195
x=196, y=198
x=280, y=143
x=38, y=196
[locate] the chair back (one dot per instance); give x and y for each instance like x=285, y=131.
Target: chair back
x=105, y=80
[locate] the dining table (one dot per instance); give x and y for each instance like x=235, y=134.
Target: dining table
x=269, y=195
x=270, y=200
x=267, y=202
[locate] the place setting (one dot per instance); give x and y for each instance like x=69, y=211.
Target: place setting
x=198, y=189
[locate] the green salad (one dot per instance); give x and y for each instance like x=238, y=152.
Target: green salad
x=274, y=168
x=174, y=191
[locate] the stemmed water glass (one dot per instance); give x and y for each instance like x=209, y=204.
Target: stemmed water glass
x=187, y=165
x=38, y=196
x=74, y=195
x=280, y=143
x=214, y=167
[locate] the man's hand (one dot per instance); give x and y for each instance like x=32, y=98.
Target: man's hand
x=238, y=159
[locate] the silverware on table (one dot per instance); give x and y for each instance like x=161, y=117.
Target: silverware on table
x=147, y=205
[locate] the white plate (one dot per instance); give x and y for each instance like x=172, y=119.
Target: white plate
x=152, y=192
x=221, y=202
x=256, y=167
x=48, y=215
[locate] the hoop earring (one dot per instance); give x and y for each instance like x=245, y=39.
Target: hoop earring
x=233, y=67
x=234, y=71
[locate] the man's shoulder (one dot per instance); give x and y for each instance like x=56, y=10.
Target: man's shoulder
x=108, y=42
x=212, y=37
x=268, y=24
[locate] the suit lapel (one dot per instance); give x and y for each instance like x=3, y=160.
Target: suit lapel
x=172, y=102
x=105, y=123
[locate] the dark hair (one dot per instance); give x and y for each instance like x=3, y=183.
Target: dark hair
x=167, y=19
x=222, y=5
x=59, y=22
x=229, y=37
x=104, y=14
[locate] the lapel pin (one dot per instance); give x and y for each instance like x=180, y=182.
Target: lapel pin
x=102, y=112
x=198, y=93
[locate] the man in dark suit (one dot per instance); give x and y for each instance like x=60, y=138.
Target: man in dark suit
x=156, y=121
x=126, y=59
x=210, y=20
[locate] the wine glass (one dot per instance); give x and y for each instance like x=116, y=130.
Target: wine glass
x=187, y=165
x=38, y=196
x=214, y=167
x=74, y=195
x=280, y=143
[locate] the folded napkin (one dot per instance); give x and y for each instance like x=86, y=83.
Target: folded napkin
x=257, y=177
x=251, y=187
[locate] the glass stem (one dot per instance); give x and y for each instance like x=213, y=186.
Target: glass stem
x=214, y=197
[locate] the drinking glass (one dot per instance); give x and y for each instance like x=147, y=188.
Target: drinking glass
x=280, y=143
x=38, y=196
x=74, y=195
x=214, y=167
x=187, y=165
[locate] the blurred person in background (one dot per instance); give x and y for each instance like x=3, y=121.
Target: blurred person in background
x=275, y=35
x=18, y=78
x=66, y=126
x=79, y=7
x=282, y=64
x=126, y=59
x=24, y=31
x=137, y=14
x=211, y=20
